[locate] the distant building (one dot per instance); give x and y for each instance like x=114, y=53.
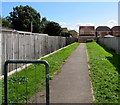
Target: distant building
x=116, y=31
x=102, y=31
x=64, y=29
x=86, y=33
x=74, y=33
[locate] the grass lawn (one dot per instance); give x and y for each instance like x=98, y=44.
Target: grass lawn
x=32, y=78
x=105, y=73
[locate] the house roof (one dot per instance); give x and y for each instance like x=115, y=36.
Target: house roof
x=108, y=36
x=64, y=29
x=86, y=28
x=72, y=31
x=103, y=28
x=116, y=28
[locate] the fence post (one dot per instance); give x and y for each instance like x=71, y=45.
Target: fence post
x=118, y=45
x=0, y=53
x=1, y=67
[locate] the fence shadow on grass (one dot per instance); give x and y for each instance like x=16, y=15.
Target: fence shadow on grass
x=115, y=59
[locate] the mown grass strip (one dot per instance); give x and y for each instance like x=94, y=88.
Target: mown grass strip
x=105, y=73
x=34, y=80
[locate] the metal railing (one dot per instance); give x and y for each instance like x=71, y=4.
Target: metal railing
x=6, y=91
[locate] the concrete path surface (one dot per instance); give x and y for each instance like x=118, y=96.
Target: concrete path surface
x=72, y=85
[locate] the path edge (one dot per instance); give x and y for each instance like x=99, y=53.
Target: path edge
x=90, y=74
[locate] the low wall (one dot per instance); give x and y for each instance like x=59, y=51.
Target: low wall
x=17, y=45
x=84, y=39
x=111, y=43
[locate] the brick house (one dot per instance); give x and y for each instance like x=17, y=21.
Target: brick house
x=86, y=33
x=65, y=29
x=102, y=31
x=116, y=31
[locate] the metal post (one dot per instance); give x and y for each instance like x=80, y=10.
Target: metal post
x=47, y=84
x=5, y=84
x=25, y=61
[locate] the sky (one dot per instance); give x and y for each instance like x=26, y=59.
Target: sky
x=72, y=14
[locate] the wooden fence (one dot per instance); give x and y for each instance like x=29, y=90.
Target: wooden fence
x=23, y=45
x=111, y=43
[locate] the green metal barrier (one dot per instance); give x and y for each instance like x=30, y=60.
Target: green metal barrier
x=6, y=93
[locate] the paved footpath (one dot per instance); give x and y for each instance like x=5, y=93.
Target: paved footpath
x=72, y=85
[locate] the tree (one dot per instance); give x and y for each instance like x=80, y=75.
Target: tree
x=23, y=17
x=43, y=24
x=5, y=22
x=65, y=34
x=52, y=29
x=0, y=22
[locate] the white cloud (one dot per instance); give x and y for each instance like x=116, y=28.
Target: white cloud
x=62, y=23
x=112, y=23
x=76, y=26
x=85, y=24
x=109, y=23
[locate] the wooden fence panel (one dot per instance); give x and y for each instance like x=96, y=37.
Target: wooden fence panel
x=1, y=53
x=20, y=47
x=111, y=43
x=49, y=46
x=32, y=48
x=17, y=45
x=43, y=45
x=46, y=45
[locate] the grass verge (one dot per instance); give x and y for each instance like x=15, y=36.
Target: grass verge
x=24, y=84
x=105, y=73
